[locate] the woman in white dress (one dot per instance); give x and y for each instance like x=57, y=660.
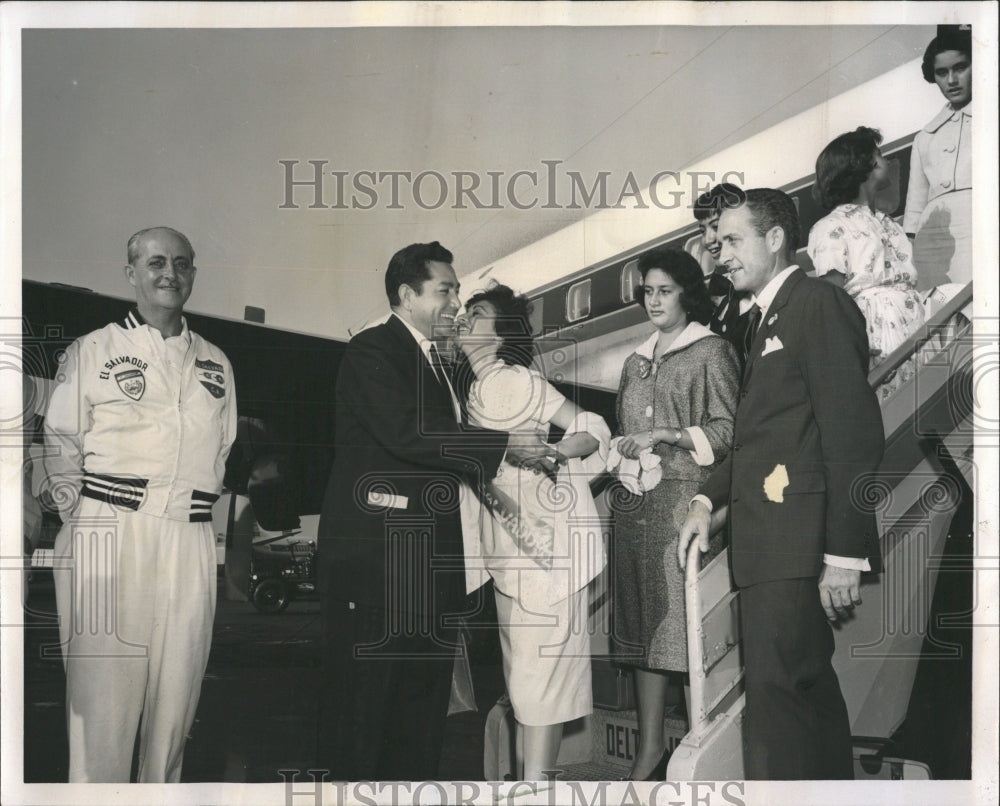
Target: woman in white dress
x=541, y=538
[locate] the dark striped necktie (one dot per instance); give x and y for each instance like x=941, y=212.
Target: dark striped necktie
x=443, y=371
x=753, y=322
x=438, y=365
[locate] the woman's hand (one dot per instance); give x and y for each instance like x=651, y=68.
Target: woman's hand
x=632, y=445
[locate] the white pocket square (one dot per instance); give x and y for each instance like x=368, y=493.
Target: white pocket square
x=771, y=345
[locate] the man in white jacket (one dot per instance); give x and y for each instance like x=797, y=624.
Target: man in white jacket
x=138, y=429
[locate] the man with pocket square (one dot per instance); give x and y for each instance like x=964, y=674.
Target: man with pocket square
x=808, y=432
x=391, y=568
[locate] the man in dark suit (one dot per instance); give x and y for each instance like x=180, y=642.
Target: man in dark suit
x=390, y=536
x=808, y=431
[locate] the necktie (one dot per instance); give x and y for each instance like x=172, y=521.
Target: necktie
x=753, y=321
x=441, y=372
x=437, y=364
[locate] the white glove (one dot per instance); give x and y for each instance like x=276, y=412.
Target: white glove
x=637, y=475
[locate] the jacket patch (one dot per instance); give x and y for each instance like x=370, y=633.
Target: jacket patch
x=132, y=382
x=210, y=375
x=216, y=391
x=110, y=364
x=208, y=364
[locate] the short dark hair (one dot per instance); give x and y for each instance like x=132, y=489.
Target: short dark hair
x=513, y=323
x=949, y=37
x=771, y=208
x=513, y=326
x=409, y=267
x=712, y=202
x=844, y=165
x=686, y=272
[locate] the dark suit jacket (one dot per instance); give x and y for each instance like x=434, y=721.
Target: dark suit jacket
x=806, y=411
x=726, y=318
x=391, y=523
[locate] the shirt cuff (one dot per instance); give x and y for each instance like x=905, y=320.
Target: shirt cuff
x=704, y=500
x=702, y=454
x=852, y=563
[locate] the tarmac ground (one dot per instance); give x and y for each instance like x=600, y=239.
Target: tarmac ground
x=258, y=709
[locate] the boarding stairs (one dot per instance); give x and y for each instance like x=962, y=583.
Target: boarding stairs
x=929, y=424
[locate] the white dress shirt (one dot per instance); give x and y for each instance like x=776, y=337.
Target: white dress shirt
x=473, y=514
x=425, y=347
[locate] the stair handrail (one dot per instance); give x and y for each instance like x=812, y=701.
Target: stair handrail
x=916, y=340
x=698, y=718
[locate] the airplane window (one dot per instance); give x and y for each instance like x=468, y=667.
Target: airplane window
x=537, y=319
x=578, y=301
x=694, y=247
x=889, y=198
x=629, y=280
x=797, y=201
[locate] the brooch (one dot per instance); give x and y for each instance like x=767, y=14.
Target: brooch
x=645, y=368
x=772, y=320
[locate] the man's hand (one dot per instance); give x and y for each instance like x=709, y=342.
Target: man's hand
x=697, y=525
x=527, y=450
x=839, y=591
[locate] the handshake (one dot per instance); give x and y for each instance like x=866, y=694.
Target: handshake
x=529, y=451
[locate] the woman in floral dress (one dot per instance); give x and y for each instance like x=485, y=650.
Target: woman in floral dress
x=863, y=249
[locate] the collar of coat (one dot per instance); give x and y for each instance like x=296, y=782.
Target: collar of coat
x=947, y=114
x=695, y=331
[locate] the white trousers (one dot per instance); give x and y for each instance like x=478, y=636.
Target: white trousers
x=136, y=602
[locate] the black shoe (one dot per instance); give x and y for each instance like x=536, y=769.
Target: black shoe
x=659, y=772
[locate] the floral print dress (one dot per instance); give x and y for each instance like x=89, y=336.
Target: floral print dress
x=873, y=253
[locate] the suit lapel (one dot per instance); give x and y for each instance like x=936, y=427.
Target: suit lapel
x=426, y=385
x=770, y=320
